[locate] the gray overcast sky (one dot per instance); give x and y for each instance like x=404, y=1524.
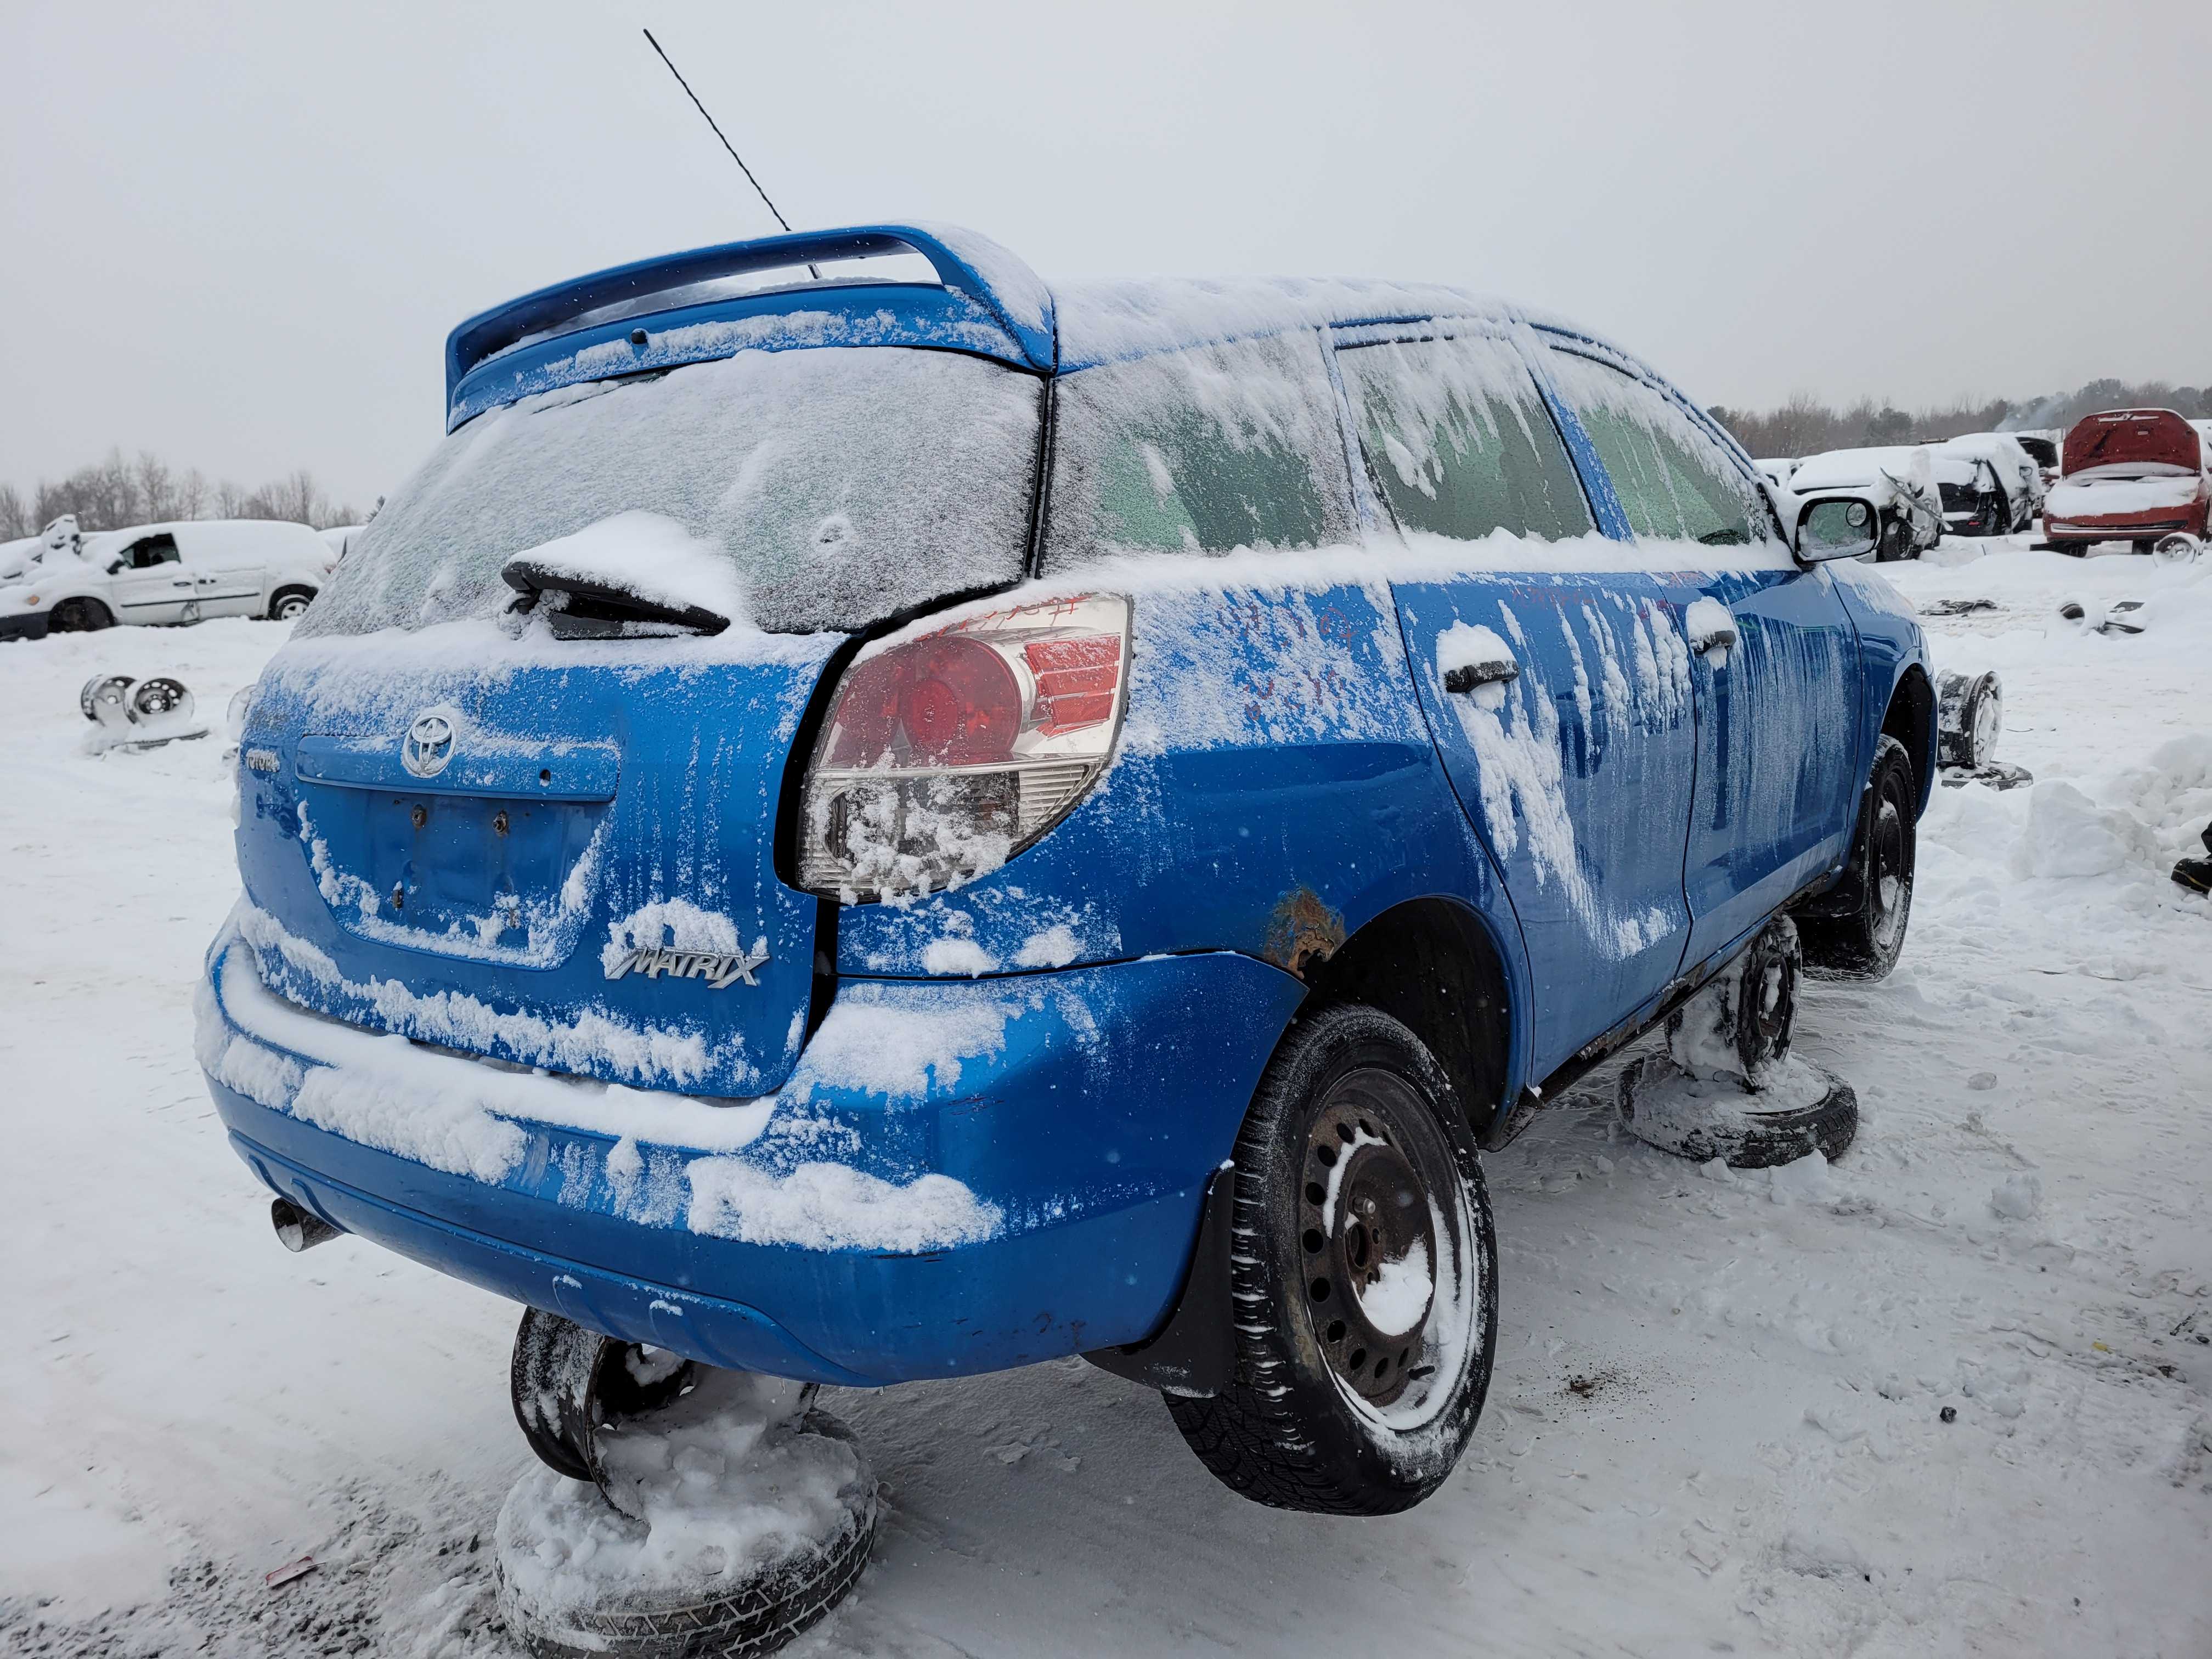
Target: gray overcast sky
x=237, y=234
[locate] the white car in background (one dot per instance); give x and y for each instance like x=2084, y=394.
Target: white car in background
x=338, y=538
x=185, y=572
x=1903, y=480
x=2018, y=472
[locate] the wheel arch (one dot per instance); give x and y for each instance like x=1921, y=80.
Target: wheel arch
x=87, y=596
x=1432, y=964
x=1911, y=719
x=306, y=590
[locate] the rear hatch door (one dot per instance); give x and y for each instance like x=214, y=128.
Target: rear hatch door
x=559, y=864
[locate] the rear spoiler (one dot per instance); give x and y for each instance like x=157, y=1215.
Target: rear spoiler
x=1011, y=295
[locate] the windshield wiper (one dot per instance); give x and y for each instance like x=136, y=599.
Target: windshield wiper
x=577, y=608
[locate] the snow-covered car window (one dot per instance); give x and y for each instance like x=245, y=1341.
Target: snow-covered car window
x=845, y=484
x=1461, y=442
x=1201, y=451
x=1672, y=480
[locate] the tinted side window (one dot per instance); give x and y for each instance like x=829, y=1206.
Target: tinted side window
x=1198, y=451
x=1673, y=481
x=1461, y=442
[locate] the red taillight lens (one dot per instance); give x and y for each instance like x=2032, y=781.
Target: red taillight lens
x=945, y=702
x=945, y=755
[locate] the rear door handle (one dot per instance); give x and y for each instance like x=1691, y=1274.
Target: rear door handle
x=1468, y=676
x=1711, y=625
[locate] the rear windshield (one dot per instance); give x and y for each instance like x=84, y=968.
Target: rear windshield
x=2153, y=441
x=844, y=484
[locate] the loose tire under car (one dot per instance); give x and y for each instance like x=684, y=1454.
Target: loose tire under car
x=1355, y=1386
x=1667, y=1109
x=573, y=1390
x=767, y=1610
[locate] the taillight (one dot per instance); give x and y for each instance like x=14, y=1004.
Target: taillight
x=945, y=755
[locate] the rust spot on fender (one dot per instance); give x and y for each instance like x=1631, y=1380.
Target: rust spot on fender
x=1304, y=930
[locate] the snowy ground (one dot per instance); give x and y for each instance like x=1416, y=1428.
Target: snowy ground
x=1715, y=1426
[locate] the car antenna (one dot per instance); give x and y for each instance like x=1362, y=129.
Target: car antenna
x=726, y=144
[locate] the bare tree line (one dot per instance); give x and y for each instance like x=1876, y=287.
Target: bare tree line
x=1806, y=426
x=112, y=494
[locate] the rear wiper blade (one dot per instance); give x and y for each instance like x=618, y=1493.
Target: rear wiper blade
x=577, y=608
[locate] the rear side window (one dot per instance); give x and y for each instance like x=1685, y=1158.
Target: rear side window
x=1198, y=451
x=1460, y=442
x=1673, y=481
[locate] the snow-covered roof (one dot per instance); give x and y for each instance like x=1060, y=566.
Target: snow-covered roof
x=657, y=314
x=1104, y=321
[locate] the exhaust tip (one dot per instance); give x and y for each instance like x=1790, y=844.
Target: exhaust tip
x=298, y=1229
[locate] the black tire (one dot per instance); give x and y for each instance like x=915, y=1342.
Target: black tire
x=1969, y=718
x=1671, y=1112
x=286, y=603
x=80, y=615
x=763, y=1614
x=1895, y=543
x=1748, y=1010
x=1329, y=1409
x=1857, y=930
x=565, y=1382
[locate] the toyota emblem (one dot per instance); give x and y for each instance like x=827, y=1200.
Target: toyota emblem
x=428, y=745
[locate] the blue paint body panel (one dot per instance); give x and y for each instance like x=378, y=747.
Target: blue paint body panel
x=1583, y=792
x=1094, y=1130
x=1289, y=770
x=1778, y=762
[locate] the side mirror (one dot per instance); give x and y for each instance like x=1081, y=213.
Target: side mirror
x=1836, y=527
x=114, y=565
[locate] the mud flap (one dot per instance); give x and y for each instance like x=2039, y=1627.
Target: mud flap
x=1194, y=1352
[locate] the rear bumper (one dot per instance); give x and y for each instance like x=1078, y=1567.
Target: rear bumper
x=1084, y=1134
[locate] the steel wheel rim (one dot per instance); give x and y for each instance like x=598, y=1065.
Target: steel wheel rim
x=1988, y=715
x=1367, y=1225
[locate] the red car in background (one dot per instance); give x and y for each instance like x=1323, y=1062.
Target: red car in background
x=2132, y=475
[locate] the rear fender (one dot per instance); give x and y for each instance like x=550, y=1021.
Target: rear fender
x=1274, y=792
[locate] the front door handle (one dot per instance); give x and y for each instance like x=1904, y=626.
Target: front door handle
x=1468, y=675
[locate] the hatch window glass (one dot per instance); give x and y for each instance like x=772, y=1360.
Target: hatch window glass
x=1673, y=481
x=1198, y=451
x=844, y=485
x=1460, y=442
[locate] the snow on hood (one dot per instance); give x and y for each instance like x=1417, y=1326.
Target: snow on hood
x=1884, y=473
